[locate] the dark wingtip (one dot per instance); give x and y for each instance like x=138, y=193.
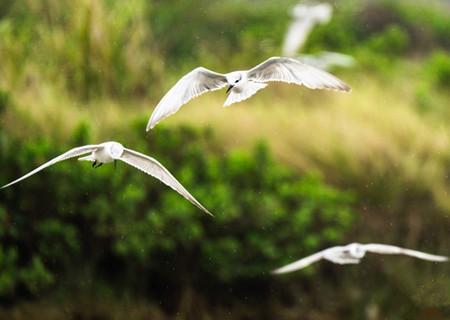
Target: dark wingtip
x=344, y=87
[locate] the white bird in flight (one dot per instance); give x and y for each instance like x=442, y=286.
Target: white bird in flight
x=305, y=17
x=242, y=84
x=111, y=151
x=353, y=253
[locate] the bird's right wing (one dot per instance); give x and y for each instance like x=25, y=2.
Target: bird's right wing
x=152, y=167
x=300, y=264
x=388, y=249
x=75, y=152
x=193, y=84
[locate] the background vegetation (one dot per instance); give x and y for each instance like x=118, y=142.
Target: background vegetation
x=286, y=173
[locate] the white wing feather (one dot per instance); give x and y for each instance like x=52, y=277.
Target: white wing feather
x=193, y=84
x=293, y=71
x=326, y=60
x=300, y=264
x=152, y=167
x=75, y=152
x=388, y=249
x=296, y=36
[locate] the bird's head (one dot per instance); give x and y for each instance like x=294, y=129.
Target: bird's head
x=234, y=79
x=114, y=149
x=356, y=250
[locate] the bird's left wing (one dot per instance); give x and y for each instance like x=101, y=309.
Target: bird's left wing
x=152, y=167
x=300, y=264
x=293, y=71
x=193, y=84
x=75, y=152
x=389, y=249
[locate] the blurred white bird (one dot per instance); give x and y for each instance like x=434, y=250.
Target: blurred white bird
x=326, y=60
x=242, y=84
x=305, y=17
x=353, y=253
x=111, y=151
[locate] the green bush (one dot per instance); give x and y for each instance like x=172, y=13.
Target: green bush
x=4, y=100
x=393, y=41
x=124, y=228
x=437, y=69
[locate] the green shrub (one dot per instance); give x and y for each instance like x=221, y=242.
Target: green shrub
x=393, y=41
x=124, y=228
x=437, y=69
x=4, y=100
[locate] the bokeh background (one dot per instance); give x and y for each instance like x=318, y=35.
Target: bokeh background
x=286, y=173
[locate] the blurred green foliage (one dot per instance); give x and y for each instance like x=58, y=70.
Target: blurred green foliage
x=89, y=47
x=438, y=69
x=125, y=49
x=76, y=231
x=72, y=220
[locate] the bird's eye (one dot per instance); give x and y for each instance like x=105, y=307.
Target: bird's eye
x=236, y=81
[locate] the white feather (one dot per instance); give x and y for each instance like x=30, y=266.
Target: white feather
x=72, y=153
x=250, y=89
x=305, y=17
x=344, y=255
x=110, y=151
x=389, y=249
x=152, y=167
x=293, y=71
x=193, y=84
x=243, y=84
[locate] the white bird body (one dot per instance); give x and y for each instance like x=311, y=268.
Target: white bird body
x=240, y=87
x=110, y=151
x=106, y=152
x=353, y=253
x=242, y=84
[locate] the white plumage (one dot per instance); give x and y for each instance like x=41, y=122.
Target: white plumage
x=327, y=60
x=242, y=84
x=305, y=17
x=353, y=253
x=110, y=151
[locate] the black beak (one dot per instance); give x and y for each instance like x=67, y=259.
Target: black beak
x=229, y=88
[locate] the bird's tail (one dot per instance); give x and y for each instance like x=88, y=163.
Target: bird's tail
x=250, y=89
